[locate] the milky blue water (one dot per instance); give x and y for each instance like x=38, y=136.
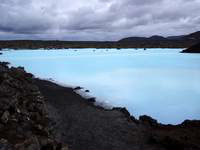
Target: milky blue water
x=162, y=83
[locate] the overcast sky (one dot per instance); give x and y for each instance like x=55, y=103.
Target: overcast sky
x=96, y=19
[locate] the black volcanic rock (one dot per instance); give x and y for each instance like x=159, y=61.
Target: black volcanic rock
x=87, y=91
x=193, y=49
x=92, y=100
x=148, y=120
x=78, y=88
x=24, y=122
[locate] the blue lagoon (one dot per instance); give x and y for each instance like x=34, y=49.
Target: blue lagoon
x=161, y=83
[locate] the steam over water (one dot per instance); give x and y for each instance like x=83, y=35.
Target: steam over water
x=162, y=83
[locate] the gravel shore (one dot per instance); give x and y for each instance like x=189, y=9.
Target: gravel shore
x=83, y=126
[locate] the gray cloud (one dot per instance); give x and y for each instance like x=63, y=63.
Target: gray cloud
x=96, y=19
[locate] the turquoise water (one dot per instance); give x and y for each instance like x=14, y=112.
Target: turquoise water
x=162, y=83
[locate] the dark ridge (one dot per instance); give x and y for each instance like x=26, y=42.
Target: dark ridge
x=157, y=38
x=161, y=42
x=130, y=39
x=193, y=36
x=155, y=41
x=193, y=49
x=181, y=37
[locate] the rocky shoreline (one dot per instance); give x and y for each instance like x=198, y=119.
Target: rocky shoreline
x=193, y=49
x=37, y=114
x=24, y=121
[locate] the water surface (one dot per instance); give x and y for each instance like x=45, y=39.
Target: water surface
x=162, y=83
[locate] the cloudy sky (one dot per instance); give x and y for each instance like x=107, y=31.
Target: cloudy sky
x=96, y=19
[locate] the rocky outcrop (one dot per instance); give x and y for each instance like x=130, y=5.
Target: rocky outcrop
x=193, y=36
x=193, y=49
x=78, y=88
x=24, y=122
x=148, y=120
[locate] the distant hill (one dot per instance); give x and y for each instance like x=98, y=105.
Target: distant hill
x=156, y=38
x=182, y=41
x=193, y=49
x=192, y=37
x=156, y=41
x=180, y=37
x=130, y=39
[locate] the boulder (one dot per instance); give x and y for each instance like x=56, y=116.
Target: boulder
x=5, y=117
x=123, y=110
x=87, y=91
x=78, y=88
x=92, y=100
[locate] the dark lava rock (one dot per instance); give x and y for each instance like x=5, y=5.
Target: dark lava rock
x=191, y=123
x=91, y=100
x=4, y=64
x=193, y=49
x=126, y=113
x=5, y=117
x=78, y=88
x=24, y=121
x=4, y=145
x=123, y=110
x=148, y=120
x=87, y=91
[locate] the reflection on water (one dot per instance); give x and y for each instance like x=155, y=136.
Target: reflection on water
x=162, y=83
